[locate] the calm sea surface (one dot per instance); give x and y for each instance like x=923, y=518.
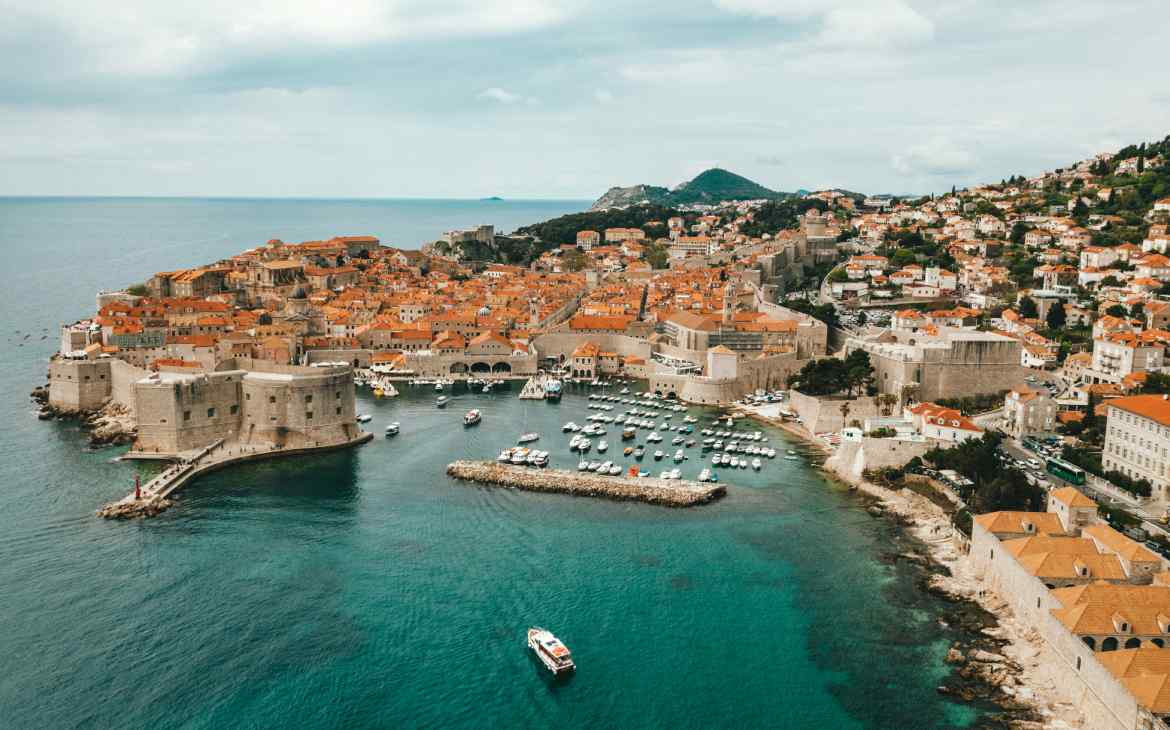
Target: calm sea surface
x=367, y=590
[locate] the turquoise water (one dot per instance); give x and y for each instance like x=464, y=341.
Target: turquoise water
x=365, y=589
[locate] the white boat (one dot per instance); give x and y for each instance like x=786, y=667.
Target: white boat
x=527, y=438
x=791, y=457
x=675, y=474
x=756, y=463
x=364, y=418
x=653, y=438
x=583, y=465
x=570, y=426
x=584, y=445
x=602, y=445
x=704, y=475
x=392, y=429
x=658, y=455
x=553, y=654
x=520, y=455
x=625, y=391
x=505, y=456
x=614, y=470
x=734, y=461
x=438, y=387
x=441, y=401
x=472, y=417
x=679, y=456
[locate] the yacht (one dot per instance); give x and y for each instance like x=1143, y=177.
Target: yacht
x=553, y=654
x=570, y=426
x=392, y=429
x=583, y=465
x=527, y=438
x=472, y=417
x=653, y=437
x=441, y=402
x=364, y=418
x=439, y=387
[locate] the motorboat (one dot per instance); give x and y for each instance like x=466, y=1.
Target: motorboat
x=552, y=389
x=792, y=457
x=756, y=463
x=441, y=401
x=551, y=652
x=527, y=438
x=472, y=417
x=677, y=440
x=679, y=456
x=439, y=387
x=658, y=455
x=583, y=465
x=653, y=437
x=675, y=474
x=627, y=451
x=624, y=391
x=639, y=452
x=364, y=418
x=705, y=475
x=570, y=426
x=629, y=433
x=392, y=429
x=594, y=465
x=602, y=445
x=614, y=470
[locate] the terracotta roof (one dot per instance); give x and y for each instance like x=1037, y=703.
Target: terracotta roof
x=1043, y=523
x=1072, y=497
x=1153, y=407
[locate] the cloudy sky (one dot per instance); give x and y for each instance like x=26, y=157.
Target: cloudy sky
x=563, y=98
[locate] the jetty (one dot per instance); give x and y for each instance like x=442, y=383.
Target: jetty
x=153, y=497
x=534, y=388
x=665, y=492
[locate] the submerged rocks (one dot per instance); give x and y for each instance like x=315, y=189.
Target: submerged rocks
x=669, y=493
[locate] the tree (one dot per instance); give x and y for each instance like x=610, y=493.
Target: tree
x=1116, y=311
x=1056, y=318
x=138, y=290
x=858, y=371
x=1137, y=310
x=1017, y=234
x=1156, y=383
x=862, y=318
x=1028, y=308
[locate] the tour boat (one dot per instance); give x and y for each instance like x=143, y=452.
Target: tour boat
x=365, y=418
x=472, y=417
x=392, y=429
x=520, y=455
x=552, y=390
x=527, y=438
x=441, y=402
x=553, y=654
x=505, y=456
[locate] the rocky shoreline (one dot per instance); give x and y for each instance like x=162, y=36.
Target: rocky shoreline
x=668, y=493
x=111, y=425
x=996, y=662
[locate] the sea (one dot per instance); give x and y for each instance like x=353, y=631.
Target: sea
x=366, y=589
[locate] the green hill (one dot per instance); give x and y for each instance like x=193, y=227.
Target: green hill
x=710, y=186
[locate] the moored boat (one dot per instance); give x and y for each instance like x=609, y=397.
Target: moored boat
x=364, y=418
x=472, y=417
x=441, y=401
x=527, y=438
x=392, y=429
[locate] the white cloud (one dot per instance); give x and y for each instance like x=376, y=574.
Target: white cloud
x=147, y=37
x=503, y=96
x=603, y=96
x=937, y=156
x=844, y=22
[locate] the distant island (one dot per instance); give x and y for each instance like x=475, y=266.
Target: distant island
x=710, y=187
x=492, y=199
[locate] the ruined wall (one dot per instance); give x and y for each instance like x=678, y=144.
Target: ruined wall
x=852, y=458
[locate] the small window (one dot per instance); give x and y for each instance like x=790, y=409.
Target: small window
x=186, y=415
x=339, y=394
x=271, y=399
x=234, y=410
x=339, y=410
x=309, y=398
x=247, y=396
x=272, y=418
x=1078, y=664
x=308, y=415
x=211, y=413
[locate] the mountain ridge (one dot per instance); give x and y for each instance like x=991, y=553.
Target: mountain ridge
x=712, y=186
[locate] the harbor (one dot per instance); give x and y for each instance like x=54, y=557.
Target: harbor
x=665, y=492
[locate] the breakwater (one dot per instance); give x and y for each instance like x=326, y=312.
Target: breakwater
x=665, y=492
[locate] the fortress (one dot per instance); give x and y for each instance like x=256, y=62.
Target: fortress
x=243, y=401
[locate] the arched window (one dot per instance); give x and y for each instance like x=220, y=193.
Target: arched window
x=1158, y=643
x=1110, y=644
x=1133, y=643
x=1089, y=642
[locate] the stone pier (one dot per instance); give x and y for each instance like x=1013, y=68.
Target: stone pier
x=665, y=492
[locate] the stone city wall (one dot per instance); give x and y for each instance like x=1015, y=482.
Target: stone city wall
x=853, y=458
x=821, y=413
x=79, y=385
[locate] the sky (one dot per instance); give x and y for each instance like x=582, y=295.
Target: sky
x=565, y=98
